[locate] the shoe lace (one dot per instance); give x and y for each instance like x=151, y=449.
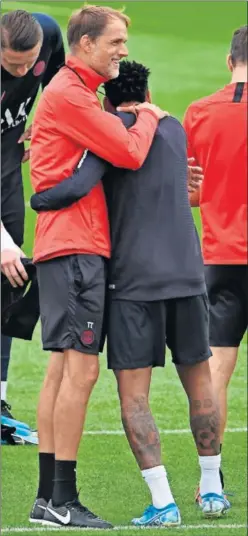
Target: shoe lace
x=80, y=508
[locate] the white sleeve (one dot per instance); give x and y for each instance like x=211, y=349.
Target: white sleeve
x=6, y=241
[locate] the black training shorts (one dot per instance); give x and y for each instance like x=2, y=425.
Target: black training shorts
x=12, y=205
x=227, y=287
x=72, y=292
x=138, y=332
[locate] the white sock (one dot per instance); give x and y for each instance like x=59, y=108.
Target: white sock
x=210, y=474
x=156, y=479
x=3, y=390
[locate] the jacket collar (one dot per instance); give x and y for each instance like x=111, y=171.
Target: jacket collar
x=91, y=79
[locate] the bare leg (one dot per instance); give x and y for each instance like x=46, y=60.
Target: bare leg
x=80, y=374
x=204, y=412
x=79, y=377
x=222, y=365
x=142, y=433
x=138, y=422
x=205, y=426
x=47, y=401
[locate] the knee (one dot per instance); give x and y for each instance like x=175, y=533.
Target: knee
x=85, y=379
x=92, y=374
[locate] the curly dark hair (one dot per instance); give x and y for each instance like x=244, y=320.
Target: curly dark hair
x=131, y=84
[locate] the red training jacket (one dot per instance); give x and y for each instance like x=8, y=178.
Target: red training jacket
x=69, y=120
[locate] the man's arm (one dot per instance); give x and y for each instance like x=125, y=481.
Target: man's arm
x=89, y=172
x=103, y=133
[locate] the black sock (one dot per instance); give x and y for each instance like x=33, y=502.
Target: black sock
x=46, y=482
x=64, y=483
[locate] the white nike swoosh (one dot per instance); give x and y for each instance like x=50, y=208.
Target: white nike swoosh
x=63, y=519
x=42, y=507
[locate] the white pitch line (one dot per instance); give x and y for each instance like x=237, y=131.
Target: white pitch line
x=119, y=528
x=165, y=432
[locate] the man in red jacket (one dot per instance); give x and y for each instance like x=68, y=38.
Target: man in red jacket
x=216, y=127
x=71, y=246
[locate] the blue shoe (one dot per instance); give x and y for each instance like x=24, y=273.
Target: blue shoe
x=213, y=505
x=25, y=436
x=13, y=422
x=8, y=419
x=164, y=517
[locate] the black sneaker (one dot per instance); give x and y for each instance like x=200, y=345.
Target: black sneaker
x=38, y=511
x=7, y=435
x=5, y=410
x=73, y=514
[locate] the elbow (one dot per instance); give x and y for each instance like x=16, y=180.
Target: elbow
x=137, y=163
x=134, y=161
x=128, y=158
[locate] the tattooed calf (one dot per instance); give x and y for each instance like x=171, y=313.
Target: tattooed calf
x=141, y=432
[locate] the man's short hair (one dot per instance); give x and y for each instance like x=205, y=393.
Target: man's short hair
x=131, y=84
x=20, y=31
x=92, y=21
x=239, y=46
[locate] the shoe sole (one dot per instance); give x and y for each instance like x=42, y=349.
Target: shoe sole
x=220, y=513
x=177, y=524
x=51, y=524
x=169, y=524
x=40, y=521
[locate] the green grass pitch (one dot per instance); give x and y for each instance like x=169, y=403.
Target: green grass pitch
x=184, y=44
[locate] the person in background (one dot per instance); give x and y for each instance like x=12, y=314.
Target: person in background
x=216, y=128
x=32, y=52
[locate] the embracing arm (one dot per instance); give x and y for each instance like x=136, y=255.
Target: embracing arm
x=103, y=133
x=89, y=172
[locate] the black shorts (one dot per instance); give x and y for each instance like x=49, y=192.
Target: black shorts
x=138, y=332
x=72, y=293
x=228, y=297
x=13, y=205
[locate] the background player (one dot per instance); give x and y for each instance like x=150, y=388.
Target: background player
x=32, y=52
x=216, y=128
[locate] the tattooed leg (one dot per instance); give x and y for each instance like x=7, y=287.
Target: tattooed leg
x=138, y=422
x=204, y=411
x=206, y=431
